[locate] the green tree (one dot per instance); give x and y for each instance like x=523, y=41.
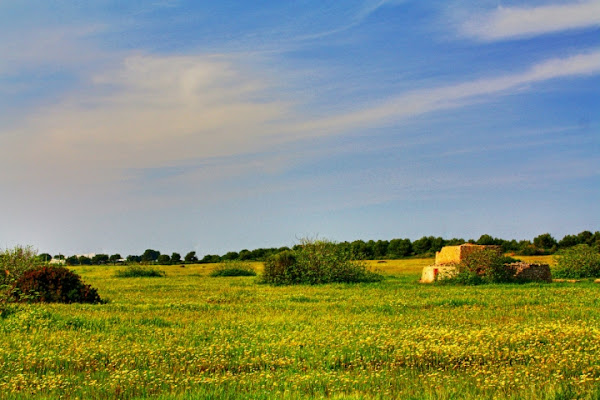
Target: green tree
x=134, y=259
x=210, y=258
x=175, y=258
x=83, y=260
x=164, y=259
x=232, y=255
x=44, y=257
x=100, y=259
x=73, y=260
x=399, y=248
x=422, y=246
x=191, y=258
x=150, y=256
x=114, y=258
x=486, y=240
x=544, y=241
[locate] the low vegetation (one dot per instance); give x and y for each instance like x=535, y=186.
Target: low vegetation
x=316, y=262
x=25, y=277
x=581, y=261
x=480, y=267
x=140, y=271
x=233, y=268
x=53, y=284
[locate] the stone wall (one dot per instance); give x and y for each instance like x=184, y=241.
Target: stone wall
x=450, y=255
x=524, y=272
x=432, y=273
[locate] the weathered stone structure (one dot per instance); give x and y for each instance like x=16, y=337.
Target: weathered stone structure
x=452, y=255
x=448, y=257
x=434, y=272
x=524, y=272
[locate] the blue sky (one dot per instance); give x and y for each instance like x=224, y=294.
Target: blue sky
x=218, y=126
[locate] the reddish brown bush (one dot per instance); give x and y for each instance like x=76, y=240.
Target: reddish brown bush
x=53, y=284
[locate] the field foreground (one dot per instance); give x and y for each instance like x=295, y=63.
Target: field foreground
x=191, y=336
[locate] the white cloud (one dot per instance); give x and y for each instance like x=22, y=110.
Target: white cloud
x=426, y=100
x=516, y=22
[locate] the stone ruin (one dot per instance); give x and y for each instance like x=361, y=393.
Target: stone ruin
x=449, y=256
x=525, y=272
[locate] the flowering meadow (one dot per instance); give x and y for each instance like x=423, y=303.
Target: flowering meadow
x=191, y=336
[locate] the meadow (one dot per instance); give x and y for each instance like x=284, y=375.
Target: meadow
x=191, y=336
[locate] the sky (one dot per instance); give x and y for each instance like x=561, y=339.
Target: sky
x=220, y=126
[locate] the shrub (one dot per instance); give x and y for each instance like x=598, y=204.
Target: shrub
x=15, y=262
x=581, y=261
x=53, y=284
x=484, y=266
x=138, y=271
x=315, y=262
x=233, y=268
x=279, y=268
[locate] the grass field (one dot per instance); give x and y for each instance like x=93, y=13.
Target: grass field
x=188, y=335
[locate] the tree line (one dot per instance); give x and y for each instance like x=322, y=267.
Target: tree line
x=426, y=246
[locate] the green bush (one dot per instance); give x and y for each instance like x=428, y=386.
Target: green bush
x=233, y=268
x=279, y=268
x=138, y=271
x=15, y=262
x=53, y=284
x=581, y=261
x=480, y=267
x=315, y=262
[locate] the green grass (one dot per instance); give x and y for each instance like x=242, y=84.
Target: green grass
x=189, y=336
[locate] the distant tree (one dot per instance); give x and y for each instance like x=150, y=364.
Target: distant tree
x=73, y=260
x=100, y=259
x=585, y=237
x=59, y=257
x=232, y=255
x=361, y=250
x=114, y=258
x=436, y=244
x=83, y=260
x=175, y=258
x=134, y=259
x=44, y=257
x=380, y=249
x=150, y=255
x=399, y=248
x=568, y=241
x=544, y=241
x=422, y=246
x=455, y=242
x=526, y=248
x=210, y=258
x=164, y=259
x=245, y=255
x=486, y=240
x=191, y=258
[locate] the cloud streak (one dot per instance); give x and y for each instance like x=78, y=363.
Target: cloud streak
x=427, y=100
x=518, y=22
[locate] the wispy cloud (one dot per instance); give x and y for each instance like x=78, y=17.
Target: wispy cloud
x=427, y=100
x=516, y=22
x=166, y=110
